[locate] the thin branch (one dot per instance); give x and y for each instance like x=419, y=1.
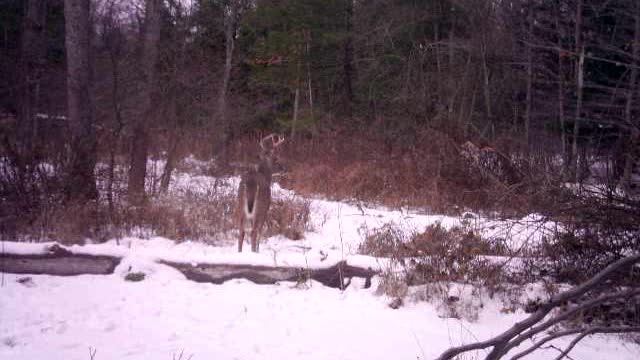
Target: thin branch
x=582, y=331
x=594, y=330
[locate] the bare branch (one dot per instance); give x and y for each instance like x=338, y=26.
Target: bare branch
x=515, y=335
x=582, y=331
x=594, y=330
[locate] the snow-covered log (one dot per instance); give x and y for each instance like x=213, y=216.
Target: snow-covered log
x=337, y=276
x=57, y=261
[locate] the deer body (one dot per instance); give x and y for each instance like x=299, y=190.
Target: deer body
x=254, y=193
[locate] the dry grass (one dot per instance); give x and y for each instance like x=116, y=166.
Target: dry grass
x=427, y=171
x=289, y=218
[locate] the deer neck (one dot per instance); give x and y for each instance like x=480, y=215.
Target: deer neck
x=265, y=170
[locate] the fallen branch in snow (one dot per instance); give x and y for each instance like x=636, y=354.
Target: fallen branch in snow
x=337, y=276
x=57, y=261
x=582, y=333
x=534, y=324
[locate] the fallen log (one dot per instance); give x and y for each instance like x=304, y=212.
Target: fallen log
x=58, y=261
x=337, y=276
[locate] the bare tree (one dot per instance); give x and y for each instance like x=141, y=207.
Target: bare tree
x=530, y=75
x=81, y=181
x=631, y=97
x=176, y=131
x=231, y=18
x=114, y=41
x=32, y=57
x=561, y=87
x=348, y=68
x=579, y=48
x=139, y=148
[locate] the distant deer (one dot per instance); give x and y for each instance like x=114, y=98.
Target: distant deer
x=254, y=192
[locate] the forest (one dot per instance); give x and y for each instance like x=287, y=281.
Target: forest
x=134, y=119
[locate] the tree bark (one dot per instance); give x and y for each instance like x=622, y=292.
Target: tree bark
x=139, y=149
x=336, y=276
x=177, y=118
x=32, y=58
x=58, y=261
x=561, y=101
x=172, y=159
x=529, y=96
x=575, y=161
x=348, y=60
x=630, y=122
x=230, y=20
x=486, y=86
x=81, y=181
x=309, y=87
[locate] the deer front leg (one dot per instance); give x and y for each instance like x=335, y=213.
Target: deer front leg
x=241, y=238
x=254, y=239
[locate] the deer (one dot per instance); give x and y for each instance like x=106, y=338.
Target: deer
x=254, y=191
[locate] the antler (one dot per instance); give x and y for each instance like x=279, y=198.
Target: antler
x=278, y=142
x=274, y=143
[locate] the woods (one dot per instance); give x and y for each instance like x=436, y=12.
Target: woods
x=491, y=111
x=537, y=78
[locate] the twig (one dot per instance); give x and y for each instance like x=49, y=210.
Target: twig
x=92, y=353
x=180, y=357
x=419, y=345
x=3, y=265
x=557, y=349
x=594, y=330
x=582, y=331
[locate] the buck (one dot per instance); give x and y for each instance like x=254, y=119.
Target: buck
x=254, y=192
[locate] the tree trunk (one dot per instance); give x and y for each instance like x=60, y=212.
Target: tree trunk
x=32, y=58
x=630, y=121
x=115, y=134
x=139, y=149
x=229, y=31
x=348, y=60
x=296, y=102
x=172, y=160
x=561, y=118
x=486, y=85
x=81, y=182
x=309, y=88
x=337, y=276
x=529, y=96
x=58, y=260
x=176, y=111
x=579, y=92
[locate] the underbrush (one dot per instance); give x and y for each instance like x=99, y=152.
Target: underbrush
x=430, y=169
x=458, y=271
x=290, y=218
x=201, y=209
x=448, y=267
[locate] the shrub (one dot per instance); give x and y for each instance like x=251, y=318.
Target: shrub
x=435, y=255
x=289, y=218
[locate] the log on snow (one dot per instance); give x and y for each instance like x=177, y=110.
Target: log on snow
x=337, y=276
x=58, y=261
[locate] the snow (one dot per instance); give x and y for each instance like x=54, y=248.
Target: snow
x=166, y=315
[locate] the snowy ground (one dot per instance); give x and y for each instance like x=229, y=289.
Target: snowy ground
x=165, y=315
